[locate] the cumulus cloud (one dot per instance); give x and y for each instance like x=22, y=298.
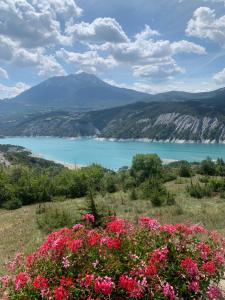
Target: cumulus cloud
x=3, y=73
x=12, y=91
x=101, y=30
x=49, y=66
x=36, y=23
x=7, y=48
x=219, y=77
x=88, y=61
x=157, y=71
x=187, y=47
x=205, y=25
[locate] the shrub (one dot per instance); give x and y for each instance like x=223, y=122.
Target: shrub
x=145, y=166
x=199, y=191
x=123, y=261
x=13, y=203
x=133, y=194
x=51, y=217
x=208, y=167
x=185, y=169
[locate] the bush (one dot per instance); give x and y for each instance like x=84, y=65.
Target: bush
x=123, y=261
x=146, y=166
x=133, y=194
x=208, y=167
x=51, y=217
x=199, y=191
x=11, y=204
x=185, y=169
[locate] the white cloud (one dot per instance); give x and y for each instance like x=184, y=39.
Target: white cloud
x=187, y=47
x=157, y=71
x=49, y=66
x=101, y=30
x=205, y=25
x=88, y=61
x=7, y=48
x=219, y=77
x=3, y=73
x=36, y=23
x=147, y=33
x=12, y=91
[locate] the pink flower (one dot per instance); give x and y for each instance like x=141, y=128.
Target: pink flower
x=40, y=283
x=159, y=255
x=190, y=266
x=132, y=286
x=61, y=293
x=103, y=285
x=209, y=267
x=116, y=226
x=77, y=227
x=168, y=228
x=5, y=280
x=194, y=286
x=111, y=243
x=168, y=291
x=66, y=262
x=213, y=292
x=204, y=250
x=21, y=279
x=87, y=280
x=89, y=217
x=75, y=245
x=149, y=223
x=93, y=237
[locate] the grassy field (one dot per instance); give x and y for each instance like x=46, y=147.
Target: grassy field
x=19, y=230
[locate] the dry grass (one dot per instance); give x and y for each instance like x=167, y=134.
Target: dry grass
x=19, y=231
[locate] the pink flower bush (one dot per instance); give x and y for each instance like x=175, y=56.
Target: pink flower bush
x=120, y=261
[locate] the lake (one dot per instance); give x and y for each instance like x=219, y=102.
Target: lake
x=111, y=154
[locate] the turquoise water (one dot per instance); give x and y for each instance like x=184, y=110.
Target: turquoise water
x=112, y=154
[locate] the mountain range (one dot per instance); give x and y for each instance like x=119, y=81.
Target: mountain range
x=84, y=105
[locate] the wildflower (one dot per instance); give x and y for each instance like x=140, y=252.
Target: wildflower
x=93, y=237
x=66, y=282
x=194, y=286
x=111, y=243
x=40, y=283
x=116, y=226
x=66, y=262
x=209, y=267
x=4, y=281
x=89, y=217
x=151, y=270
x=15, y=262
x=190, y=266
x=87, y=280
x=204, y=250
x=103, y=285
x=159, y=255
x=131, y=285
x=149, y=223
x=61, y=293
x=77, y=227
x=168, y=291
x=168, y=228
x=213, y=292
x=75, y=245
x=21, y=279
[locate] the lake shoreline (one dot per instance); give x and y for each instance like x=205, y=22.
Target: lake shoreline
x=144, y=140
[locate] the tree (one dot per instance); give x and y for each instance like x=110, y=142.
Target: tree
x=185, y=169
x=146, y=166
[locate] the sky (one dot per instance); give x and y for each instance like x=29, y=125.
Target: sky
x=147, y=45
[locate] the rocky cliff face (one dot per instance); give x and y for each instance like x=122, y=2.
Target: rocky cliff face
x=169, y=127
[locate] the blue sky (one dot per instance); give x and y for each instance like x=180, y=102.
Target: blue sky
x=148, y=45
